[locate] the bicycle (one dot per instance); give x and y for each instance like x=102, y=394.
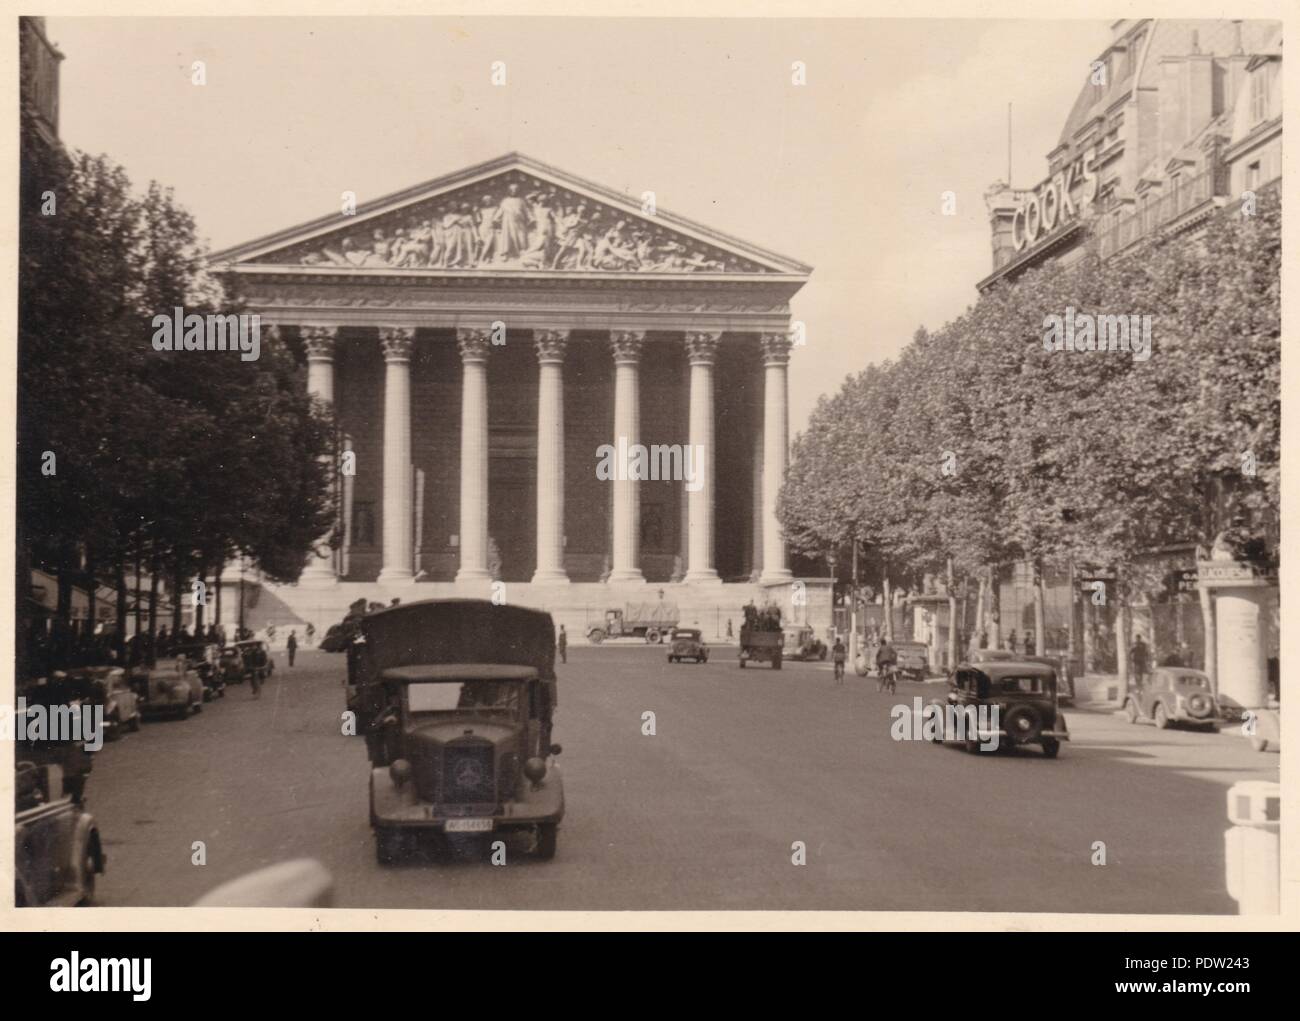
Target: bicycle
x=887, y=677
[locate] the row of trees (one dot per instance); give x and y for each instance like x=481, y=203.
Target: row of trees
x=977, y=447
x=128, y=456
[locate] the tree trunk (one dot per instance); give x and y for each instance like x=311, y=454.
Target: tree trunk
x=138, y=611
x=1123, y=631
x=995, y=609
x=216, y=616
x=853, y=610
x=177, y=583
x=1072, y=648
x=952, y=618
x=153, y=612
x=1040, y=639
x=978, y=632
x=200, y=602
x=887, y=594
x=92, y=590
x=119, y=640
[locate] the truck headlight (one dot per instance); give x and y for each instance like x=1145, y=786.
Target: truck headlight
x=400, y=771
x=535, y=769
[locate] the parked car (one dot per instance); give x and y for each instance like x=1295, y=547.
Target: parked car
x=801, y=643
x=57, y=848
x=73, y=759
x=257, y=658
x=203, y=657
x=687, y=643
x=913, y=660
x=122, y=709
x=175, y=689
x=1025, y=697
x=1174, y=695
x=230, y=666
x=456, y=697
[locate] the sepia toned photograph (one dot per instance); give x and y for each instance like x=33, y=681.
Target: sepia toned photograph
x=648, y=464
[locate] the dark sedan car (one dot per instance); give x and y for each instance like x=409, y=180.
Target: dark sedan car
x=687, y=643
x=1010, y=703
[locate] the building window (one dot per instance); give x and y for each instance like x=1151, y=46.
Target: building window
x=363, y=524
x=1253, y=176
x=1259, y=85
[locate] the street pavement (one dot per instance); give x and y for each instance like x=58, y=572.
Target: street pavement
x=703, y=814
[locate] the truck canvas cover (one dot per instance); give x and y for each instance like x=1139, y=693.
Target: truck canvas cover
x=458, y=631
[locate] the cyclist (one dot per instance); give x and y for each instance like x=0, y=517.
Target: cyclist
x=886, y=659
x=839, y=655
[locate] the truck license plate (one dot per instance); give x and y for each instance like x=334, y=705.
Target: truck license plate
x=469, y=825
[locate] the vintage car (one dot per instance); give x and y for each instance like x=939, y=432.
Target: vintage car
x=175, y=689
x=41, y=747
x=1025, y=699
x=801, y=643
x=455, y=698
x=230, y=666
x=57, y=849
x=1174, y=695
x=256, y=658
x=687, y=643
x=122, y=705
x=761, y=646
x=203, y=657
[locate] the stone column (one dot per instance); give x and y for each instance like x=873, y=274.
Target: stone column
x=776, y=437
x=701, y=352
x=397, y=342
x=319, y=343
x=474, y=346
x=550, y=346
x=626, y=346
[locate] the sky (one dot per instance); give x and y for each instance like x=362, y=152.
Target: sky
x=845, y=173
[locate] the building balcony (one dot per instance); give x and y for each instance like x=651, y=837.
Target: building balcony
x=1198, y=194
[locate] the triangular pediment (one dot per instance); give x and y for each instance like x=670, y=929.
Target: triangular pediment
x=510, y=215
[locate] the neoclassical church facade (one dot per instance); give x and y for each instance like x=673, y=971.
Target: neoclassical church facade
x=486, y=340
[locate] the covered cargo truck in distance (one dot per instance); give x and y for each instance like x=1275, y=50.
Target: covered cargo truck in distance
x=651, y=621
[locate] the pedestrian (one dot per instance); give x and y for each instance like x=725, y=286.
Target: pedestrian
x=1140, y=659
x=1029, y=643
x=729, y=632
x=562, y=644
x=311, y=632
x=1011, y=641
x=838, y=655
x=292, y=645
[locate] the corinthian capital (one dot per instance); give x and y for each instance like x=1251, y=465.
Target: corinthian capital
x=702, y=346
x=550, y=344
x=319, y=342
x=397, y=342
x=776, y=347
x=474, y=342
x=626, y=345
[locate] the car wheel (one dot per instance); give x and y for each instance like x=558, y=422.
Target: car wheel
x=1131, y=711
x=652, y=637
x=704, y=659
x=86, y=879
x=742, y=662
x=1259, y=744
x=135, y=722
x=1051, y=747
x=972, y=746
x=113, y=728
x=672, y=659
x=1161, y=716
x=548, y=835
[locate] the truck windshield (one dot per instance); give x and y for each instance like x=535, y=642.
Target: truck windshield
x=464, y=698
